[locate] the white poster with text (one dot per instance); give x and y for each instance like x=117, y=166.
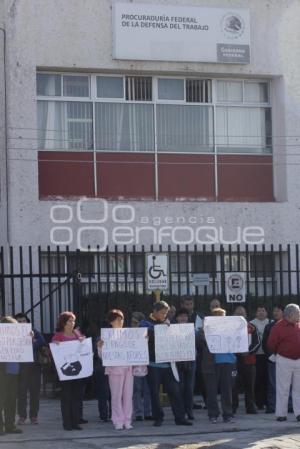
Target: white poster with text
x=174, y=343
x=15, y=343
x=125, y=346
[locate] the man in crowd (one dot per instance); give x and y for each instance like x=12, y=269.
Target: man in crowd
x=162, y=373
x=271, y=393
x=261, y=382
x=246, y=370
x=284, y=341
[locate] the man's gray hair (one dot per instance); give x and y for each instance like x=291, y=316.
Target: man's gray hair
x=290, y=310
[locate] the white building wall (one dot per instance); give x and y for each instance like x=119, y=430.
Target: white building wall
x=77, y=35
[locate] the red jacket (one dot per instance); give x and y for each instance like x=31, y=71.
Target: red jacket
x=284, y=339
x=254, y=342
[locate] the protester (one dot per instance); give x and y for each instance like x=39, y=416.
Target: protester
x=30, y=378
x=71, y=390
x=101, y=381
x=186, y=371
x=162, y=373
x=246, y=369
x=271, y=394
x=8, y=391
x=217, y=372
x=284, y=343
x=261, y=382
x=120, y=381
x=141, y=392
x=214, y=304
x=171, y=314
x=187, y=302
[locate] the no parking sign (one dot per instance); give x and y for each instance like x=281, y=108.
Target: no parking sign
x=235, y=287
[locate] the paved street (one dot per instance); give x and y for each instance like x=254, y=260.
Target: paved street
x=248, y=432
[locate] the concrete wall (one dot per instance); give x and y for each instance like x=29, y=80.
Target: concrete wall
x=77, y=35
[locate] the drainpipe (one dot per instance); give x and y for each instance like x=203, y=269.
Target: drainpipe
x=6, y=138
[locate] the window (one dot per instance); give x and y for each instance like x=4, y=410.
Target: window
x=198, y=91
x=170, y=89
x=110, y=87
x=76, y=86
x=65, y=125
x=148, y=114
x=182, y=128
x=124, y=127
x=241, y=128
x=53, y=264
x=138, y=88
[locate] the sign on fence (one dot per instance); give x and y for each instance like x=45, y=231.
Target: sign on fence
x=174, y=343
x=226, y=334
x=235, y=287
x=157, y=271
x=73, y=359
x=126, y=346
x=15, y=343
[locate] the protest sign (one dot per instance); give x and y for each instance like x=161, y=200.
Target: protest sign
x=125, y=347
x=174, y=343
x=73, y=359
x=15, y=343
x=226, y=334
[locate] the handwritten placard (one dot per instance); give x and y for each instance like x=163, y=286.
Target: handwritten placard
x=125, y=347
x=226, y=334
x=73, y=359
x=174, y=343
x=15, y=343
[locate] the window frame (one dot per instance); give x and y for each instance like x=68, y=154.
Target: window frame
x=156, y=101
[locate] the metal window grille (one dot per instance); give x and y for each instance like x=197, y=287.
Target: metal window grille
x=138, y=88
x=198, y=91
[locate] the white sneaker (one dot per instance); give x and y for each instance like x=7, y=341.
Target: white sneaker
x=128, y=426
x=118, y=427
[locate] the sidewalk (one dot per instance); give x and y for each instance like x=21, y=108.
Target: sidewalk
x=247, y=431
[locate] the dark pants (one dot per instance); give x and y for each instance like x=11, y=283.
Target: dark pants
x=245, y=378
x=29, y=382
x=8, y=398
x=261, y=383
x=164, y=376
x=219, y=379
x=103, y=393
x=71, y=394
x=186, y=382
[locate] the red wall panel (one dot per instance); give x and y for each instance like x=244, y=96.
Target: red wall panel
x=126, y=175
x=245, y=178
x=65, y=173
x=186, y=176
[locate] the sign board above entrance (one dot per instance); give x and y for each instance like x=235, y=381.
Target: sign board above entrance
x=181, y=33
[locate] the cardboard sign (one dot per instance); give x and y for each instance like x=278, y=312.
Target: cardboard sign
x=125, y=347
x=226, y=334
x=174, y=343
x=15, y=342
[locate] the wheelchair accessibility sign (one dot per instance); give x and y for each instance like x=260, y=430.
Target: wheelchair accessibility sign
x=157, y=271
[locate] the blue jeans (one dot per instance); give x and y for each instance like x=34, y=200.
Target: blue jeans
x=141, y=397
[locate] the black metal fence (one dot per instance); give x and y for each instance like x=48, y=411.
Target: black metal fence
x=44, y=282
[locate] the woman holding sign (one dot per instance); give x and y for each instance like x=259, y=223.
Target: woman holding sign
x=120, y=381
x=71, y=390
